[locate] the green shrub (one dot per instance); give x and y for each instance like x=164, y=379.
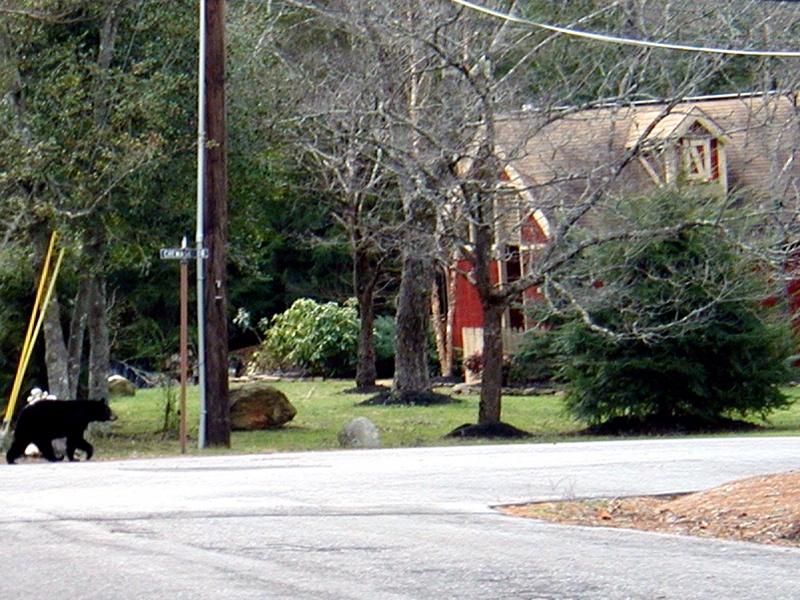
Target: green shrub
x=319, y=339
x=731, y=366
x=678, y=334
x=538, y=359
x=384, y=345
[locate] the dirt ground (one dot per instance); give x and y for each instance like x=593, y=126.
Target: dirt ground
x=763, y=509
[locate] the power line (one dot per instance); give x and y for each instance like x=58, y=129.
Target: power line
x=600, y=37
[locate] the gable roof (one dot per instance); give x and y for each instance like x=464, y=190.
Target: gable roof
x=579, y=148
x=653, y=128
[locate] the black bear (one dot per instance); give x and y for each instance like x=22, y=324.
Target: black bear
x=43, y=421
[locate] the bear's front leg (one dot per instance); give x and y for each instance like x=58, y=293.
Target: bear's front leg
x=79, y=444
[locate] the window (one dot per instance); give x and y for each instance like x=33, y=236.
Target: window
x=514, y=317
x=698, y=159
x=682, y=148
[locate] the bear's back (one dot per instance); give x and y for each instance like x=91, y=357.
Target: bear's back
x=62, y=417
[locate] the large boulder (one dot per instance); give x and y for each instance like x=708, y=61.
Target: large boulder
x=360, y=433
x=119, y=386
x=258, y=405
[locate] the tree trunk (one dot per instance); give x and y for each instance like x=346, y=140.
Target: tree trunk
x=438, y=319
x=77, y=327
x=413, y=298
x=366, y=370
x=364, y=279
x=55, y=351
x=443, y=321
x=99, y=355
x=411, y=364
x=492, y=375
x=450, y=317
x=489, y=408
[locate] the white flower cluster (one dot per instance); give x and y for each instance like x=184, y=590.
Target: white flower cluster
x=37, y=394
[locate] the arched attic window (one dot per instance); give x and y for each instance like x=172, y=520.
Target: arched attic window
x=683, y=147
x=521, y=222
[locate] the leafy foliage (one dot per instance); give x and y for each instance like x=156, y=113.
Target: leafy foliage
x=321, y=339
x=538, y=359
x=385, y=328
x=16, y=290
x=96, y=125
x=318, y=338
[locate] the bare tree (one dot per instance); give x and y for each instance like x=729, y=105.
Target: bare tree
x=446, y=83
x=362, y=205
x=389, y=55
x=327, y=115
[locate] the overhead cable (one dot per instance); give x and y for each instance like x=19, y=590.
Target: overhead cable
x=601, y=37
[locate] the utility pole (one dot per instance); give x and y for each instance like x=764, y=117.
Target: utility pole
x=215, y=231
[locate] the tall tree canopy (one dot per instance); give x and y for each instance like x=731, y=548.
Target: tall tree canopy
x=95, y=107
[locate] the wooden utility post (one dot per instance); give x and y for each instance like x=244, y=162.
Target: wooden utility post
x=215, y=231
x=184, y=349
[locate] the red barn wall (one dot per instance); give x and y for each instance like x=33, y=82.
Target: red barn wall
x=468, y=304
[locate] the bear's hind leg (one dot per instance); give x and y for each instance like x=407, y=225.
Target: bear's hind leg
x=45, y=446
x=16, y=450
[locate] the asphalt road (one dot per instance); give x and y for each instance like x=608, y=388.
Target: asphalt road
x=412, y=524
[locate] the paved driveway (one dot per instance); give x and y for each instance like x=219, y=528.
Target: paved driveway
x=379, y=524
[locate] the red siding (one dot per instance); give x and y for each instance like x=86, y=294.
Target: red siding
x=714, y=159
x=469, y=312
x=532, y=233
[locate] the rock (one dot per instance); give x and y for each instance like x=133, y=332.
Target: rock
x=463, y=388
x=258, y=405
x=119, y=386
x=360, y=433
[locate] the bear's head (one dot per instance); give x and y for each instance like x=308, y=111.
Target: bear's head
x=101, y=411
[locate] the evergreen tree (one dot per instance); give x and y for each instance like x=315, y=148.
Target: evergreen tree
x=676, y=331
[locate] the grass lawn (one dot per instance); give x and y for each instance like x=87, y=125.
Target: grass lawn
x=783, y=422
x=323, y=408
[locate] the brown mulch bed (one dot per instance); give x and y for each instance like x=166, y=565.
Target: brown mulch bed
x=488, y=431
x=764, y=509
x=391, y=397
x=669, y=425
